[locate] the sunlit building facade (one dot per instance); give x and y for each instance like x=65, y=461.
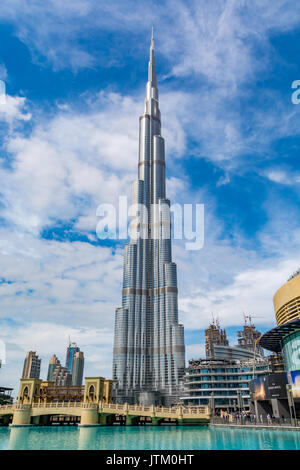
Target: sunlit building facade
x=32, y=366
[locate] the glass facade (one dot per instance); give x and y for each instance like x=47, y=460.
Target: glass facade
x=77, y=368
x=71, y=351
x=223, y=380
x=149, y=352
x=291, y=351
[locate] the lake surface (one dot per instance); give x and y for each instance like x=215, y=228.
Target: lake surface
x=146, y=438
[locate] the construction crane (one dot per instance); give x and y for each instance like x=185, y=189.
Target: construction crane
x=250, y=318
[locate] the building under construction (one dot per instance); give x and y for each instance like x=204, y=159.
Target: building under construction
x=248, y=336
x=214, y=335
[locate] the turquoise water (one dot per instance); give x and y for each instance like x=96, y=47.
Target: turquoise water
x=146, y=437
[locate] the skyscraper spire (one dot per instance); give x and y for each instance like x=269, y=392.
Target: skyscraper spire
x=149, y=352
x=151, y=70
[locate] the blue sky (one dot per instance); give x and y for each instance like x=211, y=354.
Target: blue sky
x=75, y=74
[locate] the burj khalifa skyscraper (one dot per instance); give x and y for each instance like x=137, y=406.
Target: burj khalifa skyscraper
x=149, y=351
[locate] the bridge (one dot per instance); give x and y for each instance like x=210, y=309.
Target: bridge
x=95, y=414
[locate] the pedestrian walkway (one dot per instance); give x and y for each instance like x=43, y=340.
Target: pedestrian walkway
x=251, y=422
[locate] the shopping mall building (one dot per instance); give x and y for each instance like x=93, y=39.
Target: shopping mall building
x=274, y=395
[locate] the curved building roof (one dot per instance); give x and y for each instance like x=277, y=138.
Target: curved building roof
x=287, y=301
x=273, y=338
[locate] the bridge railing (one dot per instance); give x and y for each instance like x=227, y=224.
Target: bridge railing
x=6, y=407
x=160, y=410
x=115, y=408
x=21, y=406
x=59, y=405
x=195, y=411
x=89, y=405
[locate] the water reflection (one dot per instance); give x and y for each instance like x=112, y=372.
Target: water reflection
x=18, y=439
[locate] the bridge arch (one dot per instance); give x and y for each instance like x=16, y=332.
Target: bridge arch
x=91, y=394
x=25, y=395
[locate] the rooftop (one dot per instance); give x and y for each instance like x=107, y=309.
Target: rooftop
x=271, y=340
x=295, y=274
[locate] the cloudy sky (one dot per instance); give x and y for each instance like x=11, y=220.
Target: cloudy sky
x=75, y=74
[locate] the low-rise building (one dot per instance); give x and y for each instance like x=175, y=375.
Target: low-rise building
x=232, y=353
x=221, y=383
x=5, y=396
x=96, y=389
x=51, y=393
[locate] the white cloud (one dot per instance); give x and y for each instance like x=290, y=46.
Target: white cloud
x=72, y=162
x=216, y=39
x=282, y=176
x=250, y=291
x=53, y=289
x=222, y=40
x=54, y=278
x=14, y=109
x=219, y=40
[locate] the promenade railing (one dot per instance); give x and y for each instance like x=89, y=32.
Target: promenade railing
x=257, y=422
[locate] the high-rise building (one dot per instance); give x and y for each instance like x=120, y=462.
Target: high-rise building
x=53, y=363
x=214, y=335
x=32, y=366
x=62, y=376
x=72, y=349
x=77, y=368
x=248, y=339
x=149, y=351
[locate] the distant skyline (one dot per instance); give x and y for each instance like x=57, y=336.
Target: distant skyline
x=75, y=75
